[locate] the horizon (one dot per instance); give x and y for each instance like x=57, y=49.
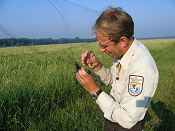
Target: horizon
x=166, y=37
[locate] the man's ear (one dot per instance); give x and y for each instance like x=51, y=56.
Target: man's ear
x=124, y=42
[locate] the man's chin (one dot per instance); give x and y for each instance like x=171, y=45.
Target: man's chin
x=117, y=57
x=114, y=56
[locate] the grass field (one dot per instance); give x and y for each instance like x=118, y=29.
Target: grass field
x=38, y=91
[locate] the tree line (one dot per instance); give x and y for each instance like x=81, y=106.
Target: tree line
x=7, y=42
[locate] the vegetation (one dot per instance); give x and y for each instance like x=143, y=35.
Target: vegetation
x=38, y=90
x=7, y=42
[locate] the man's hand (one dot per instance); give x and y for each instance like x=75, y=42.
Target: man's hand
x=86, y=81
x=89, y=59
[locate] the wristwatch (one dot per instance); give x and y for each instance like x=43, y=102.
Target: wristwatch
x=96, y=94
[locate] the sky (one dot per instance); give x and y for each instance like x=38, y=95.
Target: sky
x=75, y=18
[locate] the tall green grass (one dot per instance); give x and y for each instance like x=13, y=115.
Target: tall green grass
x=38, y=90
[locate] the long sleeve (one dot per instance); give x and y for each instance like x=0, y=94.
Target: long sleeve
x=113, y=111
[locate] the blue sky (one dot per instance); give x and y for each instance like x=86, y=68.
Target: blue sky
x=71, y=18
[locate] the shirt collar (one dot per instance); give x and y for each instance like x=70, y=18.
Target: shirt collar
x=126, y=57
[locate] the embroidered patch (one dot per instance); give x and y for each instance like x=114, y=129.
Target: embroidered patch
x=135, y=85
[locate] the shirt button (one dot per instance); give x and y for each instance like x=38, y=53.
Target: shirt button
x=117, y=78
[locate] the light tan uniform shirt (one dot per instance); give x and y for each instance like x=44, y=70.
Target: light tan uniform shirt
x=134, y=80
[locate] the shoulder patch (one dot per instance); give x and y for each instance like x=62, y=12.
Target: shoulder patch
x=135, y=85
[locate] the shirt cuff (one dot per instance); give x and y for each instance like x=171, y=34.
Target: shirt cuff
x=101, y=71
x=105, y=75
x=107, y=104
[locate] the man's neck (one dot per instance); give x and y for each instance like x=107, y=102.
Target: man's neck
x=127, y=48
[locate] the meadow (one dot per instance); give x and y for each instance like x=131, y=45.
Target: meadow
x=38, y=90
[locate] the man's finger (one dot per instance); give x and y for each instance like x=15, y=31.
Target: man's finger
x=83, y=57
x=82, y=72
x=78, y=77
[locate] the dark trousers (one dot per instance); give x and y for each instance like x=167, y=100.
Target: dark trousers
x=111, y=126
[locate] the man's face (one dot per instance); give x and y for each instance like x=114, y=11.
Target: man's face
x=108, y=46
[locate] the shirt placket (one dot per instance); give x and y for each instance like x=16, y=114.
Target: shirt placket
x=118, y=68
x=115, y=87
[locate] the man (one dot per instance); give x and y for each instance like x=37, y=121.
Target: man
x=133, y=75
